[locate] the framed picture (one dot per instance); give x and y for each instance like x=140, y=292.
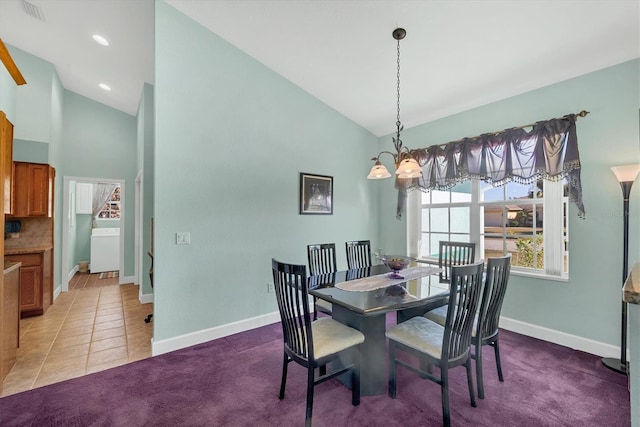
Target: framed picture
x=316, y=194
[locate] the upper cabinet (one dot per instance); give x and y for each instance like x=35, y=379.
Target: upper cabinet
x=6, y=154
x=33, y=185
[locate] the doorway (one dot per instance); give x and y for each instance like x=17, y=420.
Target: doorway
x=69, y=264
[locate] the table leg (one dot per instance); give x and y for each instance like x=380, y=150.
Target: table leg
x=373, y=360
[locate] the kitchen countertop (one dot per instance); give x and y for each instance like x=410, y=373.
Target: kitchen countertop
x=631, y=289
x=10, y=266
x=31, y=250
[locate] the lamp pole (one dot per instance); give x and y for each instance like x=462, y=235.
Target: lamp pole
x=626, y=175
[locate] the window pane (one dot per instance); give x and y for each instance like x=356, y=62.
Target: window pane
x=493, y=246
x=460, y=220
x=461, y=192
x=439, y=220
x=489, y=193
x=435, y=243
x=439, y=197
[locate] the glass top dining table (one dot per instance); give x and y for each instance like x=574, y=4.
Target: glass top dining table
x=366, y=310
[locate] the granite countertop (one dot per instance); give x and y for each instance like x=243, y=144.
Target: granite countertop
x=30, y=250
x=10, y=266
x=631, y=289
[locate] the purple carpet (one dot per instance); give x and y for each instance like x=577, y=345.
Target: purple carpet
x=234, y=381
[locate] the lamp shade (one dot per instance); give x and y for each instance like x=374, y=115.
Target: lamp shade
x=409, y=167
x=378, y=171
x=627, y=173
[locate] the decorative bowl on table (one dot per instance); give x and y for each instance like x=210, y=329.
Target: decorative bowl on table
x=396, y=263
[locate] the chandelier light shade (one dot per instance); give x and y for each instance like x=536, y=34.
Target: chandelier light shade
x=406, y=166
x=378, y=171
x=626, y=175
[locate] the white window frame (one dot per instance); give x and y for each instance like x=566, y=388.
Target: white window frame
x=555, y=242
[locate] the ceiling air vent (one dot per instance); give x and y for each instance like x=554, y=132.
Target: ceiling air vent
x=33, y=10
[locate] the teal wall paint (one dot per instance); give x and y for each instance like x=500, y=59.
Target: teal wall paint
x=100, y=142
x=83, y=239
x=34, y=100
x=30, y=151
x=217, y=109
x=8, y=90
x=145, y=139
x=589, y=304
x=55, y=160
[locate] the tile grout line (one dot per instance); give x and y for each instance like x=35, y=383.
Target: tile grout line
x=35, y=380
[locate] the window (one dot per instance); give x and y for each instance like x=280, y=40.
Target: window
x=527, y=220
x=111, y=209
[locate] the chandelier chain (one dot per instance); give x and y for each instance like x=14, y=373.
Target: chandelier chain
x=398, y=88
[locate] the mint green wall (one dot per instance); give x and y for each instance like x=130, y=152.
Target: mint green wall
x=34, y=101
x=589, y=304
x=217, y=110
x=55, y=160
x=30, y=151
x=100, y=142
x=145, y=139
x=8, y=89
x=82, y=239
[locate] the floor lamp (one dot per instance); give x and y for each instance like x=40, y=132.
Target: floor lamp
x=626, y=175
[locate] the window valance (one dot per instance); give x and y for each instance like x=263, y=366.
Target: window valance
x=548, y=151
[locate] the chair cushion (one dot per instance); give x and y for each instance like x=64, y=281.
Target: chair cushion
x=420, y=334
x=323, y=306
x=331, y=336
x=439, y=315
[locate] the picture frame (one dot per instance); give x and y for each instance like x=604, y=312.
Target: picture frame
x=316, y=194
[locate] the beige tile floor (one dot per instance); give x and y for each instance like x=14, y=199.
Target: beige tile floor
x=97, y=325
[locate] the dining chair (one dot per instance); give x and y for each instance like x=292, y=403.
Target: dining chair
x=433, y=344
x=485, y=330
x=358, y=254
x=312, y=344
x=454, y=253
x=322, y=260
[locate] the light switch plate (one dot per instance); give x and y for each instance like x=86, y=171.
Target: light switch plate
x=183, y=238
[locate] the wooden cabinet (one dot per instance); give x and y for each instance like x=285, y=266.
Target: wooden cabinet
x=36, y=282
x=9, y=319
x=6, y=156
x=33, y=185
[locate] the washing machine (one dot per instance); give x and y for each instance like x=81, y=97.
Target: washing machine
x=105, y=250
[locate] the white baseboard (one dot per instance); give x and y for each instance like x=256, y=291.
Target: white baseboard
x=561, y=338
x=127, y=279
x=57, y=291
x=72, y=273
x=193, y=338
x=146, y=298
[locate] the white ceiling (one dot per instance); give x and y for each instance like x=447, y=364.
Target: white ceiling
x=457, y=54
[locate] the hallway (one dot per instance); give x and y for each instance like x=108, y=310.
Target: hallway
x=95, y=326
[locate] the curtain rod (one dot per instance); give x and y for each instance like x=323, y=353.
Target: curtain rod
x=582, y=113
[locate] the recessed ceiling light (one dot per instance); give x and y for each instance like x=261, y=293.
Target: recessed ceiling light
x=104, y=86
x=101, y=40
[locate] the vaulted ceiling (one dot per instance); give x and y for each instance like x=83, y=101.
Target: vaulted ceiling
x=457, y=55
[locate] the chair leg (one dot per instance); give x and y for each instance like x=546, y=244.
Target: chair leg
x=496, y=348
x=472, y=394
x=479, y=378
x=444, y=388
x=392, y=371
x=355, y=381
x=315, y=309
x=283, y=383
x=310, y=384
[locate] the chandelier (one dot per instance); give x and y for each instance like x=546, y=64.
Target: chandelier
x=406, y=166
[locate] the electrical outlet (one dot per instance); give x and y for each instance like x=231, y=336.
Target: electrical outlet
x=270, y=288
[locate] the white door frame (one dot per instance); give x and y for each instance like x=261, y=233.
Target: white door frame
x=68, y=211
